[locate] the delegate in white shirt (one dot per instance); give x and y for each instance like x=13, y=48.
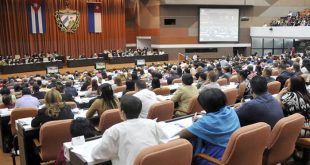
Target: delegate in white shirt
x=148, y=98
x=124, y=141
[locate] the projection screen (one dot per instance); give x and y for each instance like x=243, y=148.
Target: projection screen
x=218, y=25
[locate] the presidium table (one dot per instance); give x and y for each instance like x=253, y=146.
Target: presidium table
x=114, y=60
x=20, y=68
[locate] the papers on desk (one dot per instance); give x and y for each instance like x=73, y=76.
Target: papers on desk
x=162, y=98
x=83, y=100
x=5, y=112
x=82, y=93
x=172, y=129
x=118, y=94
x=25, y=122
x=84, y=151
x=174, y=86
x=230, y=86
x=80, y=113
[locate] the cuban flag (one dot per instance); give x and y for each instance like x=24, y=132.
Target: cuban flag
x=94, y=17
x=36, y=12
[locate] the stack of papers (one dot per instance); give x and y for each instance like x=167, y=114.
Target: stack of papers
x=84, y=151
x=5, y=112
x=172, y=129
x=25, y=122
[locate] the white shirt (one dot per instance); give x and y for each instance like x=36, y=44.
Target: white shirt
x=148, y=98
x=124, y=141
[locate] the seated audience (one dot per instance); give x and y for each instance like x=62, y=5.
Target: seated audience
x=244, y=86
x=296, y=68
x=267, y=72
x=92, y=90
x=54, y=109
x=306, y=67
x=211, y=133
x=27, y=101
x=211, y=83
x=155, y=83
x=130, y=86
x=53, y=83
x=18, y=90
x=69, y=89
x=227, y=73
x=201, y=80
x=105, y=101
x=147, y=97
x=65, y=96
x=117, y=82
x=122, y=142
x=251, y=70
x=263, y=108
x=284, y=74
x=36, y=92
x=44, y=86
x=79, y=127
x=295, y=98
x=7, y=101
x=6, y=92
x=184, y=94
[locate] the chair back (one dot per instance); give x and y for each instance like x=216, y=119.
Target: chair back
x=108, y=118
x=162, y=91
x=231, y=95
x=222, y=81
x=130, y=93
x=176, y=152
x=234, y=78
x=194, y=106
x=176, y=81
x=72, y=104
x=19, y=113
x=284, y=135
x=250, y=142
x=52, y=136
x=162, y=110
x=274, y=87
x=119, y=89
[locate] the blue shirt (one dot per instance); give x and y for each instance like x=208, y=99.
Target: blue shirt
x=263, y=108
x=27, y=101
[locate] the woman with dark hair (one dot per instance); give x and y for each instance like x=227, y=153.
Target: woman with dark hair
x=295, y=98
x=104, y=102
x=244, y=86
x=210, y=133
x=184, y=94
x=79, y=127
x=130, y=86
x=92, y=90
x=155, y=83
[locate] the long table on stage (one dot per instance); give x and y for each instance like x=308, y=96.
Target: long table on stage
x=83, y=62
x=132, y=59
x=19, y=68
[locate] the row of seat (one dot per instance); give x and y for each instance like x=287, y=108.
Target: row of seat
x=253, y=144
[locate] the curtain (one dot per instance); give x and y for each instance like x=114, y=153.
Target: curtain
x=15, y=37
